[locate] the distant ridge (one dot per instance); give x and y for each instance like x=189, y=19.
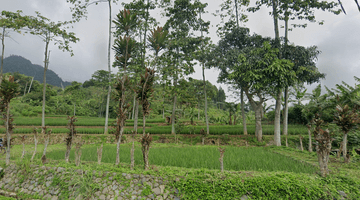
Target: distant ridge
x=19, y=64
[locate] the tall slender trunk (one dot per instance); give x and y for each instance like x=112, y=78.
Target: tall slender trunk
x=109, y=68
x=134, y=107
x=243, y=112
x=132, y=160
x=136, y=117
x=47, y=139
x=2, y=54
x=163, y=107
x=206, y=106
x=344, y=150
x=144, y=122
x=24, y=88
x=174, y=107
x=8, y=134
x=173, y=116
x=35, y=148
x=286, y=111
x=310, y=142
x=30, y=84
x=258, y=127
x=121, y=121
x=23, y=152
x=275, y=18
x=277, y=137
x=258, y=108
x=46, y=65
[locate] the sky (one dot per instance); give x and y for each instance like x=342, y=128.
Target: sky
x=338, y=40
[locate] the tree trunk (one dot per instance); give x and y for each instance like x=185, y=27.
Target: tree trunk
x=136, y=117
x=68, y=148
x=286, y=111
x=277, y=137
x=35, y=141
x=173, y=116
x=46, y=65
x=109, y=68
x=230, y=119
x=344, y=150
x=301, y=144
x=134, y=107
x=2, y=55
x=118, y=142
x=243, y=112
x=8, y=134
x=275, y=18
x=43, y=157
x=24, y=88
x=206, y=106
x=234, y=120
x=144, y=122
x=310, y=142
x=258, y=127
x=30, y=84
x=132, y=160
x=99, y=153
x=23, y=151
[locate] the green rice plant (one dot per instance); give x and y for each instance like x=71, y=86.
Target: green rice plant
x=248, y=159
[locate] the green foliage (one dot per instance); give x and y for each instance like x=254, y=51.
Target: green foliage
x=272, y=186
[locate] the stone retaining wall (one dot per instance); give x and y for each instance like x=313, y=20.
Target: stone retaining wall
x=60, y=183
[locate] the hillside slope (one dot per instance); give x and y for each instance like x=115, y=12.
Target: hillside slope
x=19, y=64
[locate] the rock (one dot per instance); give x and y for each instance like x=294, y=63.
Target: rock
x=162, y=188
x=157, y=191
x=80, y=197
x=128, y=176
x=60, y=169
x=244, y=197
x=342, y=193
x=176, y=198
x=48, y=183
x=12, y=194
x=48, y=196
x=54, y=198
x=102, y=197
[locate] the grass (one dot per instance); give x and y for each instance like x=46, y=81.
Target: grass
x=81, y=121
x=248, y=159
x=226, y=129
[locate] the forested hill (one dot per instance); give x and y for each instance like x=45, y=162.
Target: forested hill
x=23, y=66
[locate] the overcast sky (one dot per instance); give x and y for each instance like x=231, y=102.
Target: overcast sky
x=338, y=39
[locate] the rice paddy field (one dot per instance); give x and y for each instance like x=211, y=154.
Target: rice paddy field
x=94, y=125
x=236, y=158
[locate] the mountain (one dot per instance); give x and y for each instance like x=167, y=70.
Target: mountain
x=19, y=64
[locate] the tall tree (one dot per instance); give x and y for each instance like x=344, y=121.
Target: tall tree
x=12, y=21
x=8, y=90
x=142, y=9
x=50, y=31
x=126, y=23
x=290, y=10
x=234, y=22
x=182, y=21
x=204, y=48
x=80, y=10
x=256, y=70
